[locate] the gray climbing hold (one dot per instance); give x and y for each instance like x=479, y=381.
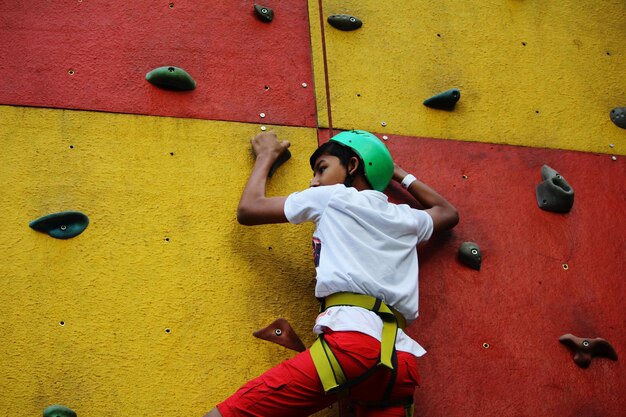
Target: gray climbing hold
x=554, y=193
x=171, y=78
x=618, y=116
x=57, y=410
x=63, y=225
x=469, y=254
x=444, y=101
x=344, y=22
x=264, y=13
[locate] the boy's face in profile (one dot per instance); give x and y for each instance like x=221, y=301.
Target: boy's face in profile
x=328, y=170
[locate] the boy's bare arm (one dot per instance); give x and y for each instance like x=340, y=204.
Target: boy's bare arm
x=254, y=207
x=444, y=214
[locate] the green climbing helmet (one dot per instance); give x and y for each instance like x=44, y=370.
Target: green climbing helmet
x=377, y=161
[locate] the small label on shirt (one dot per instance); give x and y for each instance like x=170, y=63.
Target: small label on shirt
x=317, y=249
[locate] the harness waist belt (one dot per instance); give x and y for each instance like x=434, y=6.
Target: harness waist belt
x=326, y=364
x=364, y=301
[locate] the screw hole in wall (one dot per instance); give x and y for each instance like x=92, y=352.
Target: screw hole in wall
x=486, y=345
x=171, y=5
x=565, y=267
x=464, y=177
x=168, y=330
x=61, y=323
x=71, y=72
x=267, y=88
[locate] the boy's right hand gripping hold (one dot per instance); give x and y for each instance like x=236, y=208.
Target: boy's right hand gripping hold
x=254, y=207
x=267, y=144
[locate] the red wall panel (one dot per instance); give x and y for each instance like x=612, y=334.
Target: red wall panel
x=522, y=300
x=243, y=67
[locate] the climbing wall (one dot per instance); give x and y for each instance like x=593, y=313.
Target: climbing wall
x=151, y=309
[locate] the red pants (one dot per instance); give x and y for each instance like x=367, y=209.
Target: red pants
x=294, y=389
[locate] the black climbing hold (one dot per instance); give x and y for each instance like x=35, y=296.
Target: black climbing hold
x=264, y=13
x=469, y=254
x=618, y=116
x=58, y=411
x=63, y=225
x=171, y=78
x=554, y=193
x=284, y=157
x=585, y=349
x=445, y=100
x=344, y=22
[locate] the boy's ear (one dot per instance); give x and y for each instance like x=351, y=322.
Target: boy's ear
x=353, y=165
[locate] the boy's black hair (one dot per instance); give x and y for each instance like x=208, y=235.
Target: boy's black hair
x=343, y=153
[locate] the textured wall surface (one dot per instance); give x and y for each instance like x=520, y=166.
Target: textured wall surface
x=530, y=73
x=150, y=310
x=95, y=55
x=163, y=252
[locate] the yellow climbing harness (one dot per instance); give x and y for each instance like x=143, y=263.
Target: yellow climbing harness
x=326, y=364
x=328, y=367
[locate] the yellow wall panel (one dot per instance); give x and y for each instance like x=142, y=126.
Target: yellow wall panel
x=158, y=297
x=540, y=74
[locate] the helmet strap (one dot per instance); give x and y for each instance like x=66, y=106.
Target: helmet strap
x=351, y=175
x=348, y=181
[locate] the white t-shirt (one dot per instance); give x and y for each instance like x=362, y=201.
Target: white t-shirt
x=363, y=244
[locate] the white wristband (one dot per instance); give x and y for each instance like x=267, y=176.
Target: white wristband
x=408, y=180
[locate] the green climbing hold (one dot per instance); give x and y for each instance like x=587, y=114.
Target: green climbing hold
x=172, y=78
x=63, y=225
x=445, y=100
x=469, y=254
x=618, y=116
x=344, y=22
x=58, y=411
x=554, y=193
x=264, y=13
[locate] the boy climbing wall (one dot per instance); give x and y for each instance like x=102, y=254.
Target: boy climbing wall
x=367, y=279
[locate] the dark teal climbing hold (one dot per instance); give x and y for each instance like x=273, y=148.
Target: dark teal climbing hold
x=284, y=157
x=63, y=225
x=469, y=254
x=618, y=116
x=171, y=78
x=445, y=100
x=264, y=13
x=554, y=193
x=344, y=22
x=58, y=411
